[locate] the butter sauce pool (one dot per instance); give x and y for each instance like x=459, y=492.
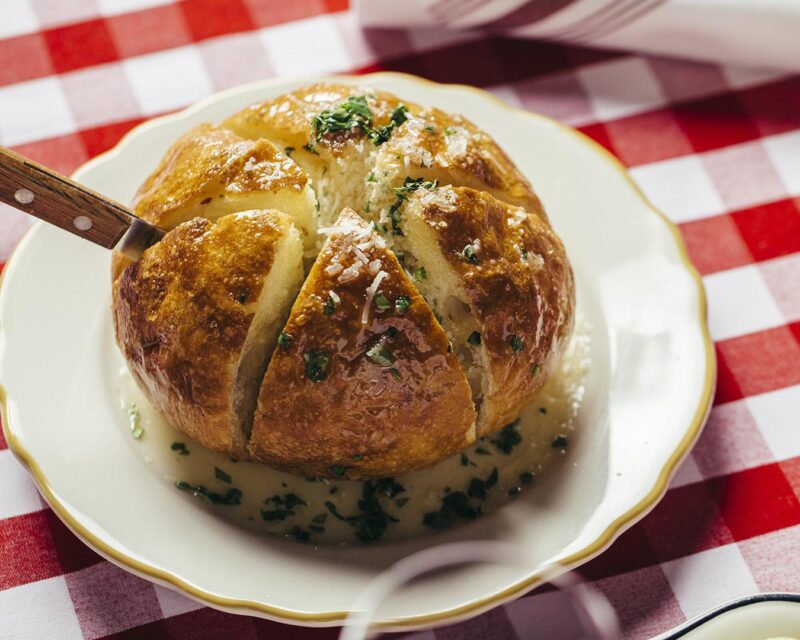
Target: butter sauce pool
x=493, y=471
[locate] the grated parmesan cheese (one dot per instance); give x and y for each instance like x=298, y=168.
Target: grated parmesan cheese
x=351, y=273
x=334, y=269
x=363, y=258
x=371, y=291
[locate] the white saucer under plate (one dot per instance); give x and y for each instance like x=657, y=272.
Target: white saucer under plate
x=765, y=616
x=648, y=392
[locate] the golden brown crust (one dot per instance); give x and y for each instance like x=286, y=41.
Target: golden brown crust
x=209, y=165
x=437, y=145
x=182, y=312
x=288, y=119
x=520, y=286
x=361, y=419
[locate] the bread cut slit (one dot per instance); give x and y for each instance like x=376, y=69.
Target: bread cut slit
x=443, y=291
x=272, y=307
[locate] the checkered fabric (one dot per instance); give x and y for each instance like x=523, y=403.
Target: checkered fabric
x=717, y=149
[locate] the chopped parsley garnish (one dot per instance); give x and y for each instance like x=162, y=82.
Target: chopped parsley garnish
x=474, y=339
x=560, y=442
x=389, y=487
x=381, y=302
x=371, y=520
x=524, y=253
x=380, y=355
x=458, y=503
x=516, y=343
x=526, y=477
x=289, y=151
x=242, y=298
x=311, y=149
x=395, y=374
x=230, y=498
x=371, y=177
x=319, y=518
x=483, y=452
x=507, y=438
x=449, y=131
x=379, y=135
x=354, y=113
x=394, y=216
x=316, y=365
x=468, y=253
x=284, y=340
x=284, y=506
x=351, y=114
x=478, y=487
x=454, y=504
x=219, y=474
x=465, y=461
x=401, y=502
x=402, y=304
x=367, y=207
x=412, y=184
x=301, y=534
x=430, y=129
x=409, y=184
x=134, y=420
x=180, y=447
x=535, y=369
x=437, y=519
x=338, y=469
x=329, y=308
x=420, y=274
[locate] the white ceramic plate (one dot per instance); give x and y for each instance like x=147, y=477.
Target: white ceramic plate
x=648, y=392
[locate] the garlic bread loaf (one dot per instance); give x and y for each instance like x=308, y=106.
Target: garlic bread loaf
x=437, y=301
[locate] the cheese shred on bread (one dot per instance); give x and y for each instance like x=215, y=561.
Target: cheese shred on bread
x=437, y=303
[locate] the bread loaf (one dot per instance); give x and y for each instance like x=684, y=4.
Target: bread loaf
x=436, y=304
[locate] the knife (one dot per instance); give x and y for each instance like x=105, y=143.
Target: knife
x=49, y=196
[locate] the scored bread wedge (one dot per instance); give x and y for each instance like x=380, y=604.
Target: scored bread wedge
x=198, y=315
x=211, y=172
x=499, y=278
x=363, y=381
x=434, y=146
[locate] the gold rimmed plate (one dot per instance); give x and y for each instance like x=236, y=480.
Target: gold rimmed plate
x=647, y=394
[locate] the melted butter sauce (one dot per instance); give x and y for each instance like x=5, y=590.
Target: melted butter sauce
x=543, y=427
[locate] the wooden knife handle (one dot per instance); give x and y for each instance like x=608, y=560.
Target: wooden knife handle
x=36, y=190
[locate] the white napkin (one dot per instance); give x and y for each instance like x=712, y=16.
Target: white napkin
x=751, y=33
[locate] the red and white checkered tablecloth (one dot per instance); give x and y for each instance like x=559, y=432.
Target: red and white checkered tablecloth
x=717, y=149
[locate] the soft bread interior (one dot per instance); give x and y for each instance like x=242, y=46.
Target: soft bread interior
x=271, y=309
x=344, y=184
x=338, y=181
